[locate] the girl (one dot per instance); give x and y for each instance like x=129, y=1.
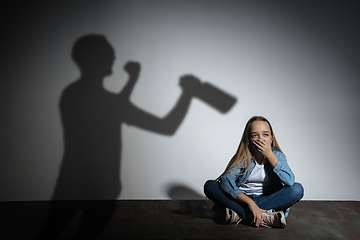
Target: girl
x=257, y=184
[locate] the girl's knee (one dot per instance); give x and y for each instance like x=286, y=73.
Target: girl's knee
x=210, y=187
x=298, y=190
x=210, y=184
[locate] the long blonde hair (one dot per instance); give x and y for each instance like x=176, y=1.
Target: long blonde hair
x=243, y=156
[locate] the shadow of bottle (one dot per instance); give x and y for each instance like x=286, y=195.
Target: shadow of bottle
x=215, y=97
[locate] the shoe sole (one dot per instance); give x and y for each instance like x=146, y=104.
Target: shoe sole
x=282, y=219
x=227, y=216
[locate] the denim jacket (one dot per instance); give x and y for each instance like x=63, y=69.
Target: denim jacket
x=281, y=175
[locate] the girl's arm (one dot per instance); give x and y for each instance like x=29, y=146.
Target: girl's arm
x=283, y=170
x=228, y=185
x=228, y=182
x=255, y=210
x=278, y=162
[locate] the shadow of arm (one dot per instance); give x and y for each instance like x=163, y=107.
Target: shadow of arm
x=167, y=125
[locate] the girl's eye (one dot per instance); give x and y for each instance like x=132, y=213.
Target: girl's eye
x=253, y=135
x=266, y=135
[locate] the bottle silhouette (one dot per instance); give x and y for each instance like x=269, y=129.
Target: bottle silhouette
x=214, y=96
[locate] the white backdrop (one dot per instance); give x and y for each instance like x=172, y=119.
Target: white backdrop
x=294, y=63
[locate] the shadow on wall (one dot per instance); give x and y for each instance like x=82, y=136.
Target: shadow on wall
x=182, y=192
x=91, y=119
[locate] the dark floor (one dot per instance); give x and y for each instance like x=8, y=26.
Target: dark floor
x=175, y=219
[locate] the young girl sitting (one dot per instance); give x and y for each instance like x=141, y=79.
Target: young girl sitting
x=257, y=185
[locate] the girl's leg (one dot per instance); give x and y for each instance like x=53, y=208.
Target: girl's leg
x=213, y=191
x=282, y=199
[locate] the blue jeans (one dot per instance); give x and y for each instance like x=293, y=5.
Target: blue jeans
x=280, y=200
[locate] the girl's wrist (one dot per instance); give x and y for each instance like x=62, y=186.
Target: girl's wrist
x=270, y=154
x=272, y=159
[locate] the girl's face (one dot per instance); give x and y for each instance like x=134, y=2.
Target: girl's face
x=260, y=131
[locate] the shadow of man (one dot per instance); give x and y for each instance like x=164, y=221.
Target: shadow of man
x=91, y=119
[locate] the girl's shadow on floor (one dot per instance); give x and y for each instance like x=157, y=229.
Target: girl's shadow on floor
x=191, y=202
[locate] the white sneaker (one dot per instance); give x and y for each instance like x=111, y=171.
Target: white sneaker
x=231, y=217
x=273, y=219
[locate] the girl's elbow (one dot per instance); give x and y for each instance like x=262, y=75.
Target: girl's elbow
x=290, y=182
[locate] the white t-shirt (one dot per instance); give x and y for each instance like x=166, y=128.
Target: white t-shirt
x=256, y=181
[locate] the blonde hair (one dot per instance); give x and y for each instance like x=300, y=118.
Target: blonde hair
x=243, y=156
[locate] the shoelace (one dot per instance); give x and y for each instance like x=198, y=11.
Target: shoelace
x=238, y=222
x=268, y=220
x=234, y=216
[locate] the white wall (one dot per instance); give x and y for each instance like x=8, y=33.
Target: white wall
x=294, y=63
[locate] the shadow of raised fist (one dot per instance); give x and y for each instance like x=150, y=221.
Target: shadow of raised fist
x=132, y=68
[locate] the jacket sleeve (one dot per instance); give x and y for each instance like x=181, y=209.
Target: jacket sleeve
x=228, y=182
x=283, y=170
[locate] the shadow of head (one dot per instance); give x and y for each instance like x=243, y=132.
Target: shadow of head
x=182, y=192
x=93, y=54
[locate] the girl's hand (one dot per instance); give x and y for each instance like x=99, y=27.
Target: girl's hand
x=263, y=147
x=257, y=213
